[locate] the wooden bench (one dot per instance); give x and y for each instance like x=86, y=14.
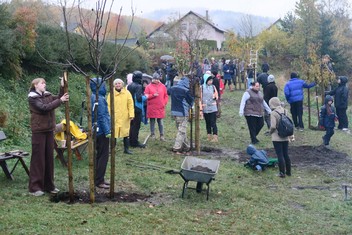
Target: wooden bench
x=14, y=154
x=77, y=147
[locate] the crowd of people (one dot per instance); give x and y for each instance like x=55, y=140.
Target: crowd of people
x=140, y=101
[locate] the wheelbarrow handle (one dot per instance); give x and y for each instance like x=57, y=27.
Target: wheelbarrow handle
x=173, y=172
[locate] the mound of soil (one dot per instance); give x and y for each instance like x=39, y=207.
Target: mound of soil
x=100, y=196
x=307, y=156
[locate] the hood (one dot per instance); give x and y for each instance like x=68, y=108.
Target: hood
x=206, y=78
x=184, y=83
x=94, y=83
x=343, y=80
x=274, y=103
x=251, y=149
x=328, y=98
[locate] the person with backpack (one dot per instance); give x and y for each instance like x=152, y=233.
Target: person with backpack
x=327, y=117
x=136, y=90
x=280, y=143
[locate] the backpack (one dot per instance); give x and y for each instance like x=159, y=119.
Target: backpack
x=285, y=125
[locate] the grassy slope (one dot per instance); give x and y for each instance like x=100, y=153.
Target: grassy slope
x=241, y=201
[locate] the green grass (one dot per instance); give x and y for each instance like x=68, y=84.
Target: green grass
x=241, y=201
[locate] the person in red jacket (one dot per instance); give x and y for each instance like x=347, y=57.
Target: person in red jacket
x=42, y=105
x=157, y=99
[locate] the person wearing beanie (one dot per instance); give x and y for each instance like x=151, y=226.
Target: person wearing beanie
x=252, y=107
x=280, y=143
x=136, y=90
x=295, y=95
x=270, y=91
x=124, y=112
x=157, y=99
x=263, y=77
x=209, y=96
x=340, y=94
x=327, y=117
x=181, y=102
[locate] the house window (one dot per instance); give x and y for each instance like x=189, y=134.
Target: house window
x=184, y=26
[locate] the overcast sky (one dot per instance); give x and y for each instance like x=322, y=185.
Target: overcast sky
x=268, y=8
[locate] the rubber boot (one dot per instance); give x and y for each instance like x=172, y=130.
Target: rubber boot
x=215, y=139
x=125, y=145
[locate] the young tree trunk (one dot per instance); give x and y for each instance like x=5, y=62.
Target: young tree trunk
x=196, y=115
x=68, y=141
x=90, y=143
x=112, y=139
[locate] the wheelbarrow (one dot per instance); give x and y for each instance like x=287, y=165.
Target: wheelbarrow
x=202, y=171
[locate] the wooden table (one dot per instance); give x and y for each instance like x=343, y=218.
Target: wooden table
x=77, y=147
x=15, y=154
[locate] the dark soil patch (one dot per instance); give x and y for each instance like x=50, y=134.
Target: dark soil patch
x=83, y=197
x=307, y=156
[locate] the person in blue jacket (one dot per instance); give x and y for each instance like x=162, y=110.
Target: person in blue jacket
x=259, y=158
x=181, y=102
x=327, y=119
x=103, y=132
x=294, y=95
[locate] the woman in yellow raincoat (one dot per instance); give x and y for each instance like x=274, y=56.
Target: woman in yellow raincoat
x=124, y=112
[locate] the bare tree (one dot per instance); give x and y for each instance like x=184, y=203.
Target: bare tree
x=93, y=26
x=246, y=26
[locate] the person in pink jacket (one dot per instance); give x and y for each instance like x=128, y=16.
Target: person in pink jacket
x=157, y=99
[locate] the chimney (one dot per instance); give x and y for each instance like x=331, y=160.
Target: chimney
x=207, y=15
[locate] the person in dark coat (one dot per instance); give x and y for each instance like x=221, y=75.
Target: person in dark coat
x=340, y=94
x=103, y=134
x=327, y=119
x=42, y=105
x=263, y=77
x=270, y=91
x=136, y=90
x=294, y=95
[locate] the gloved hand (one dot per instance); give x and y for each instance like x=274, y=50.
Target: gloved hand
x=108, y=136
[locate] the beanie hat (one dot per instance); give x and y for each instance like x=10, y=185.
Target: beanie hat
x=271, y=78
x=294, y=75
x=156, y=76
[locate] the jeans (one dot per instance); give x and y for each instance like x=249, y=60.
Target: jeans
x=281, y=149
x=210, y=123
x=343, y=119
x=255, y=124
x=160, y=125
x=297, y=113
x=329, y=132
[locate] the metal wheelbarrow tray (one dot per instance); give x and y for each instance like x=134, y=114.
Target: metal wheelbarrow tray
x=199, y=170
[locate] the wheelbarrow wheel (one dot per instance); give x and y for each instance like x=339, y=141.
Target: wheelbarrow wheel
x=199, y=187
